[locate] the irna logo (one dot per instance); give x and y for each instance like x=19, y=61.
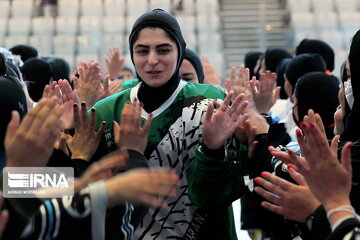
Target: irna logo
x=37, y=180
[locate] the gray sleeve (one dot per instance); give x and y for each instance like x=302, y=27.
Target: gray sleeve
x=99, y=200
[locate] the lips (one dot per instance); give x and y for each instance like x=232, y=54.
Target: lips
x=154, y=73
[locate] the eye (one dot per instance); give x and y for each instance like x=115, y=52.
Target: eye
x=142, y=51
x=164, y=51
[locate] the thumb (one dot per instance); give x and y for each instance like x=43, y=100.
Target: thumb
x=277, y=93
x=12, y=127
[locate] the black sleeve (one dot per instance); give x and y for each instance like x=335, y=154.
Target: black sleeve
x=60, y=159
x=320, y=225
x=347, y=226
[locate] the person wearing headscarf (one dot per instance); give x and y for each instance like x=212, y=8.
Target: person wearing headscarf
x=272, y=58
x=319, y=92
x=37, y=73
x=299, y=66
x=60, y=68
x=251, y=60
x=320, y=47
x=191, y=69
x=24, y=51
x=157, y=50
x=283, y=105
x=296, y=68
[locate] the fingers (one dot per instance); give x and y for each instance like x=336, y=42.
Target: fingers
x=93, y=118
x=147, y=124
x=116, y=129
x=209, y=112
x=106, y=84
x=40, y=113
x=283, y=156
x=100, y=131
x=335, y=144
x=268, y=195
x=277, y=93
x=299, y=179
x=76, y=113
x=83, y=113
x=109, y=162
x=276, y=182
x=226, y=102
x=346, y=157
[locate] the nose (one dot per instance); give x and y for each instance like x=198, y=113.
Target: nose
x=153, y=58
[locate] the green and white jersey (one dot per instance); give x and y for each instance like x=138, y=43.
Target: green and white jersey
x=173, y=139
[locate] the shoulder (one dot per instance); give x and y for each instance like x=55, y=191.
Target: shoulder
x=206, y=90
x=112, y=101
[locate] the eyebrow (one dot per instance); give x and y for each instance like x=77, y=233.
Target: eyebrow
x=157, y=46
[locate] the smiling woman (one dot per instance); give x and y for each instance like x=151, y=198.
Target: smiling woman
x=178, y=110
x=155, y=56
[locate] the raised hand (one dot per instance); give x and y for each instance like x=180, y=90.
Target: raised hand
x=210, y=76
x=264, y=92
x=145, y=186
x=315, y=118
x=286, y=198
x=108, y=89
x=86, y=139
x=114, y=62
x=221, y=125
x=102, y=169
x=130, y=135
x=30, y=143
x=328, y=179
x=88, y=84
x=239, y=84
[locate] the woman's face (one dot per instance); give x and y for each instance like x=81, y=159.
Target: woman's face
x=188, y=72
x=155, y=56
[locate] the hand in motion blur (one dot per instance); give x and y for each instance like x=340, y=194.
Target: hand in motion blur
x=114, y=62
x=88, y=84
x=240, y=83
x=145, y=186
x=102, y=169
x=30, y=143
x=264, y=92
x=130, y=134
x=210, y=76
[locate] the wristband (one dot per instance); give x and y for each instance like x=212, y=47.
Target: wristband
x=344, y=208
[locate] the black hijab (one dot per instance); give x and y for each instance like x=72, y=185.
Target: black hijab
x=37, y=73
x=280, y=80
x=318, y=91
x=273, y=56
x=250, y=61
x=25, y=51
x=195, y=61
x=303, y=64
x=151, y=97
x=352, y=116
x=12, y=97
x=319, y=47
